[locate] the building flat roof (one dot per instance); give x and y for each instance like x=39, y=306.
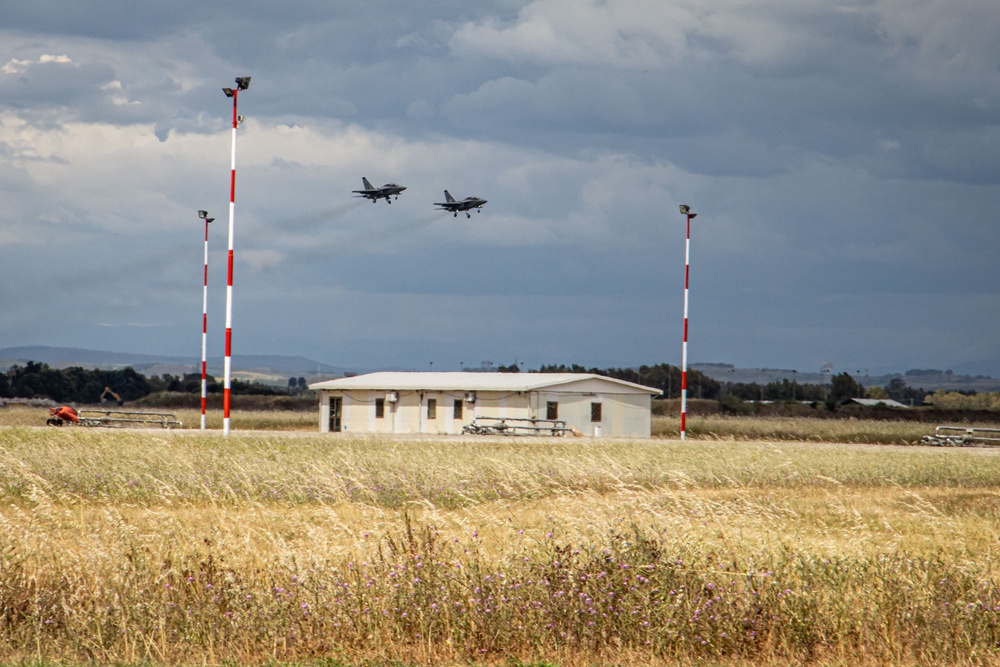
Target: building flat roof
x=464, y=381
x=872, y=402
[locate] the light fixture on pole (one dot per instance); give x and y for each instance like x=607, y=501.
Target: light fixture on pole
x=686, y=211
x=204, y=325
x=242, y=83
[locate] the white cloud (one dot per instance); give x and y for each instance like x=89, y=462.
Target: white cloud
x=619, y=33
x=948, y=37
x=16, y=66
x=47, y=58
x=261, y=260
x=649, y=34
x=656, y=34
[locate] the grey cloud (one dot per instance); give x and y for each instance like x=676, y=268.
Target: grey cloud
x=842, y=161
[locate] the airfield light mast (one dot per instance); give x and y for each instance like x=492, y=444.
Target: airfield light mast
x=686, y=211
x=242, y=83
x=204, y=325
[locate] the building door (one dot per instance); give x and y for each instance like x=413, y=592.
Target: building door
x=336, y=409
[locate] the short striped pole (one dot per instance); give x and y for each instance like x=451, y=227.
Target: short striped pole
x=242, y=83
x=685, y=210
x=204, y=325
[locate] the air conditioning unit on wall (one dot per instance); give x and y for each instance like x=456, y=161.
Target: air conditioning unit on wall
x=391, y=397
x=470, y=397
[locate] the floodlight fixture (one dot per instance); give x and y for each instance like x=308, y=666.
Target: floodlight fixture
x=242, y=82
x=202, y=214
x=229, y=92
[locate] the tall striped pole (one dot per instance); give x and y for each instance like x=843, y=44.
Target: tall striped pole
x=685, y=210
x=204, y=325
x=242, y=83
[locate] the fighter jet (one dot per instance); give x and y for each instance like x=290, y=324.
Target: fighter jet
x=453, y=206
x=384, y=192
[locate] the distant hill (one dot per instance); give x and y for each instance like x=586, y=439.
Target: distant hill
x=271, y=369
x=276, y=369
x=990, y=367
x=930, y=380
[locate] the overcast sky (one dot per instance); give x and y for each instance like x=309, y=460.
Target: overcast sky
x=843, y=159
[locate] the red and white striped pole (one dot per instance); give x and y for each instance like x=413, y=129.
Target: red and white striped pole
x=204, y=325
x=685, y=210
x=242, y=83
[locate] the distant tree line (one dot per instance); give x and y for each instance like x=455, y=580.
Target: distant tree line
x=664, y=377
x=898, y=390
x=958, y=400
x=667, y=379
x=87, y=386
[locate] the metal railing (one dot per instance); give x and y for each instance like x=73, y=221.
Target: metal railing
x=128, y=419
x=963, y=436
x=518, y=426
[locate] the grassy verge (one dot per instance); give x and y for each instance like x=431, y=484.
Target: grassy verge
x=795, y=429
x=131, y=547
x=245, y=420
x=701, y=427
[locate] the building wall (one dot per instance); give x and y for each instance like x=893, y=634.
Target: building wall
x=622, y=414
x=409, y=413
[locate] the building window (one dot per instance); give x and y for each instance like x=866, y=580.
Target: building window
x=595, y=412
x=379, y=408
x=336, y=413
x=458, y=408
x=552, y=410
x=432, y=408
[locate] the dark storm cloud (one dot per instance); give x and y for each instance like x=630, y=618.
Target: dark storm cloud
x=116, y=20
x=53, y=82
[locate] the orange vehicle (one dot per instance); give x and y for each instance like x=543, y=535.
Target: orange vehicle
x=107, y=391
x=59, y=416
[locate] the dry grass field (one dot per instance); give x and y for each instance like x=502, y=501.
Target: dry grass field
x=177, y=547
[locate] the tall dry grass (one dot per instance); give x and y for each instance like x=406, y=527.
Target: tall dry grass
x=795, y=429
x=182, y=548
x=243, y=420
x=701, y=427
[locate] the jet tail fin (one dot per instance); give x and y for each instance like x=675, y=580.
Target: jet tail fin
x=448, y=197
x=368, y=186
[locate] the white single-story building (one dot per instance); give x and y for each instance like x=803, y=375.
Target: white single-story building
x=444, y=403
